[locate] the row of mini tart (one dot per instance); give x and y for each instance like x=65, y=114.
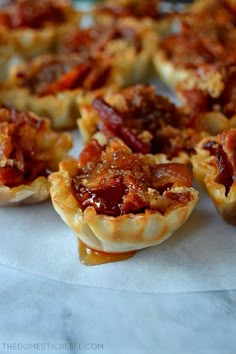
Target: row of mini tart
x=130, y=187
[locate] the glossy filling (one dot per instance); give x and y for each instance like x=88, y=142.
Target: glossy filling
x=116, y=181
x=90, y=257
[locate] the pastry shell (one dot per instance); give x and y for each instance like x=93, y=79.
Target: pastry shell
x=131, y=58
x=119, y=234
x=205, y=172
x=29, y=42
x=62, y=108
x=31, y=193
x=167, y=71
x=38, y=190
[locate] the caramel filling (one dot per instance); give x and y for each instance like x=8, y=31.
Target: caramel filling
x=90, y=257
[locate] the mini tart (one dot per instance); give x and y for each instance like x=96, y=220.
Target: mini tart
x=145, y=121
x=141, y=10
x=107, y=197
x=50, y=85
x=127, y=43
x=221, y=10
x=32, y=28
x=214, y=166
x=197, y=40
x=29, y=151
x=211, y=96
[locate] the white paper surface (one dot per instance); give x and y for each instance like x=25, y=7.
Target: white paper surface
x=199, y=256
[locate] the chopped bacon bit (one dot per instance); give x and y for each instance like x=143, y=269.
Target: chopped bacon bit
x=57, y=73
x=138, y=9
x=10, y=176
x=116, y=181
x=114, y=120
x=195, y=99
x=148, y=122
x=172, y=174
x=90, y=154
x=22, y=157
x=35, y=14
x=4, y=20
x=68, y=80
x=133, y=141
x=228, y=141
x=223, y=164
x=97, y=77
x=92, y=41
x=181, y=197
x=109, y=114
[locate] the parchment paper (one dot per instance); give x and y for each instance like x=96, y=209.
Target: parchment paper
x=199, y=256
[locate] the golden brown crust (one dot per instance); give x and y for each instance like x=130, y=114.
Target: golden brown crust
x=22, y=89
x=167, y=71
x=23, y=38
x=209, y=169
x=34, y=192
x=61, y=108
x=141, y=10
x=122, y=233
x=201, y=36
x=128, y=43
x=47, y=148
x=211, y=96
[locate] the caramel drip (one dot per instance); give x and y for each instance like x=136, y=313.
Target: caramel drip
x=90, y=257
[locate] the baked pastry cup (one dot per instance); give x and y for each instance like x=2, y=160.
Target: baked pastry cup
x=211, y=96
x=32, y=28
x=199, y=38
x=29, y=151
x=214, y=167
x=50, y=85
x=129, y=44
x=114, y=203
x=146, y=121
x=141, y=10
x=111, y=10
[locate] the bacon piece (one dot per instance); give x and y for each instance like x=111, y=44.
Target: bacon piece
x=57, y=73
x=168, y=174
x=90, y=154
x=35, y=14
x=138, y=9
x=115, y=122
x=68, y=80
x=224, y=167
x=10, y=177
x=26, y=147
x=97, y=76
